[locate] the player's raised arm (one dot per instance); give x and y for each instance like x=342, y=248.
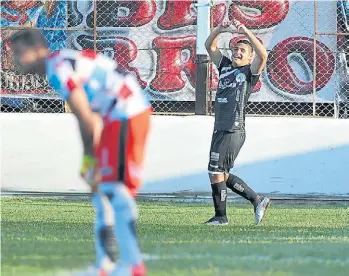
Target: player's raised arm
x=211, y=42
x=261, y=53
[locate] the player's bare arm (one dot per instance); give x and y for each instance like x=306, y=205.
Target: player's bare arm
x=211, y=42
x=88, y=127
x=81, y=109
x=261, y=53
x=98, y=128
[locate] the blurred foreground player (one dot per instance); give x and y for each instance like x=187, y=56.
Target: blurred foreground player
x=112, y=162
x=237, y=77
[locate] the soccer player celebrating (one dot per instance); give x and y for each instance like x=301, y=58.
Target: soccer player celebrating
x=113, y=158
x=237, y=77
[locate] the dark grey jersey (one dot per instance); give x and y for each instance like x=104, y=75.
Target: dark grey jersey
x=234, y=88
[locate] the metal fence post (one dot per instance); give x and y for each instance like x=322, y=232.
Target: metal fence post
x=315, y=56
x=95, y=26
x=203, y=31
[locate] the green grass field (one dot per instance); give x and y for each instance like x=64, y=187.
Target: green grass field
x=41, y=236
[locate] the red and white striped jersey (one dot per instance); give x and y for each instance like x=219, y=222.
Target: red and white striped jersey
x=108, y=90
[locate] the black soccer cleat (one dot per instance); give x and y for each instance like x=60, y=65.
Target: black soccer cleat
x=217, y=221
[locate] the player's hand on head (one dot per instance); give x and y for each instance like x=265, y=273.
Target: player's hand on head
x=227, y=26
x=237, y=23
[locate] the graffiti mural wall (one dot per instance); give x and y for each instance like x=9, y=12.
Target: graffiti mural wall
x=155, y=40
x=51, y=14
x=286, y=28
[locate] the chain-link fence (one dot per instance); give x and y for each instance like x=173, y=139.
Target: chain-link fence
x=303, y=43
x=32, y=93
x=156, y=41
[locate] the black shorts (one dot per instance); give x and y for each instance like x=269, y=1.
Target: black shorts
x=225, y=147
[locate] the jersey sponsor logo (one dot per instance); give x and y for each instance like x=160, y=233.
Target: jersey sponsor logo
x=241, y=77
x=226, y=83
x=227, y=78
x=226, y=71
x=222, y=100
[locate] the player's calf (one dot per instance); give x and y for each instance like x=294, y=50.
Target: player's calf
x=238, y=186
x=260, y=203
x=125, y=212
x=105, y=243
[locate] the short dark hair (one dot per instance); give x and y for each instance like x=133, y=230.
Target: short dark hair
x=28, y=38
x=246, y=42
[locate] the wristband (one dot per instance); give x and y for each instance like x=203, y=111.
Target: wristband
x=88, y=161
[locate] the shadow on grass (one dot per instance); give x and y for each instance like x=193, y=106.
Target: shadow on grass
x=312, y=172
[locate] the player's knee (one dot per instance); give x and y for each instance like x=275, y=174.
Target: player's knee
x=103, y=210
x=95, y=199
x=230, y=178
x=98, y=206
x=124, y=203
x=216, y=177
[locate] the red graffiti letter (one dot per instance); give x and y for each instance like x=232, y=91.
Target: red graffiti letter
x=213, y=78
x=270, y=13
x=184, y=13
x=282, y=76
x=125, y=51
x=218, y=12
x=174, y=55
x=177, y=14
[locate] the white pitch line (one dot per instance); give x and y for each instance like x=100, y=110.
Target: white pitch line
x=298, y=259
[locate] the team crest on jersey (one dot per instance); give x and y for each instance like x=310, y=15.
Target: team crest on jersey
x=241, y=77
